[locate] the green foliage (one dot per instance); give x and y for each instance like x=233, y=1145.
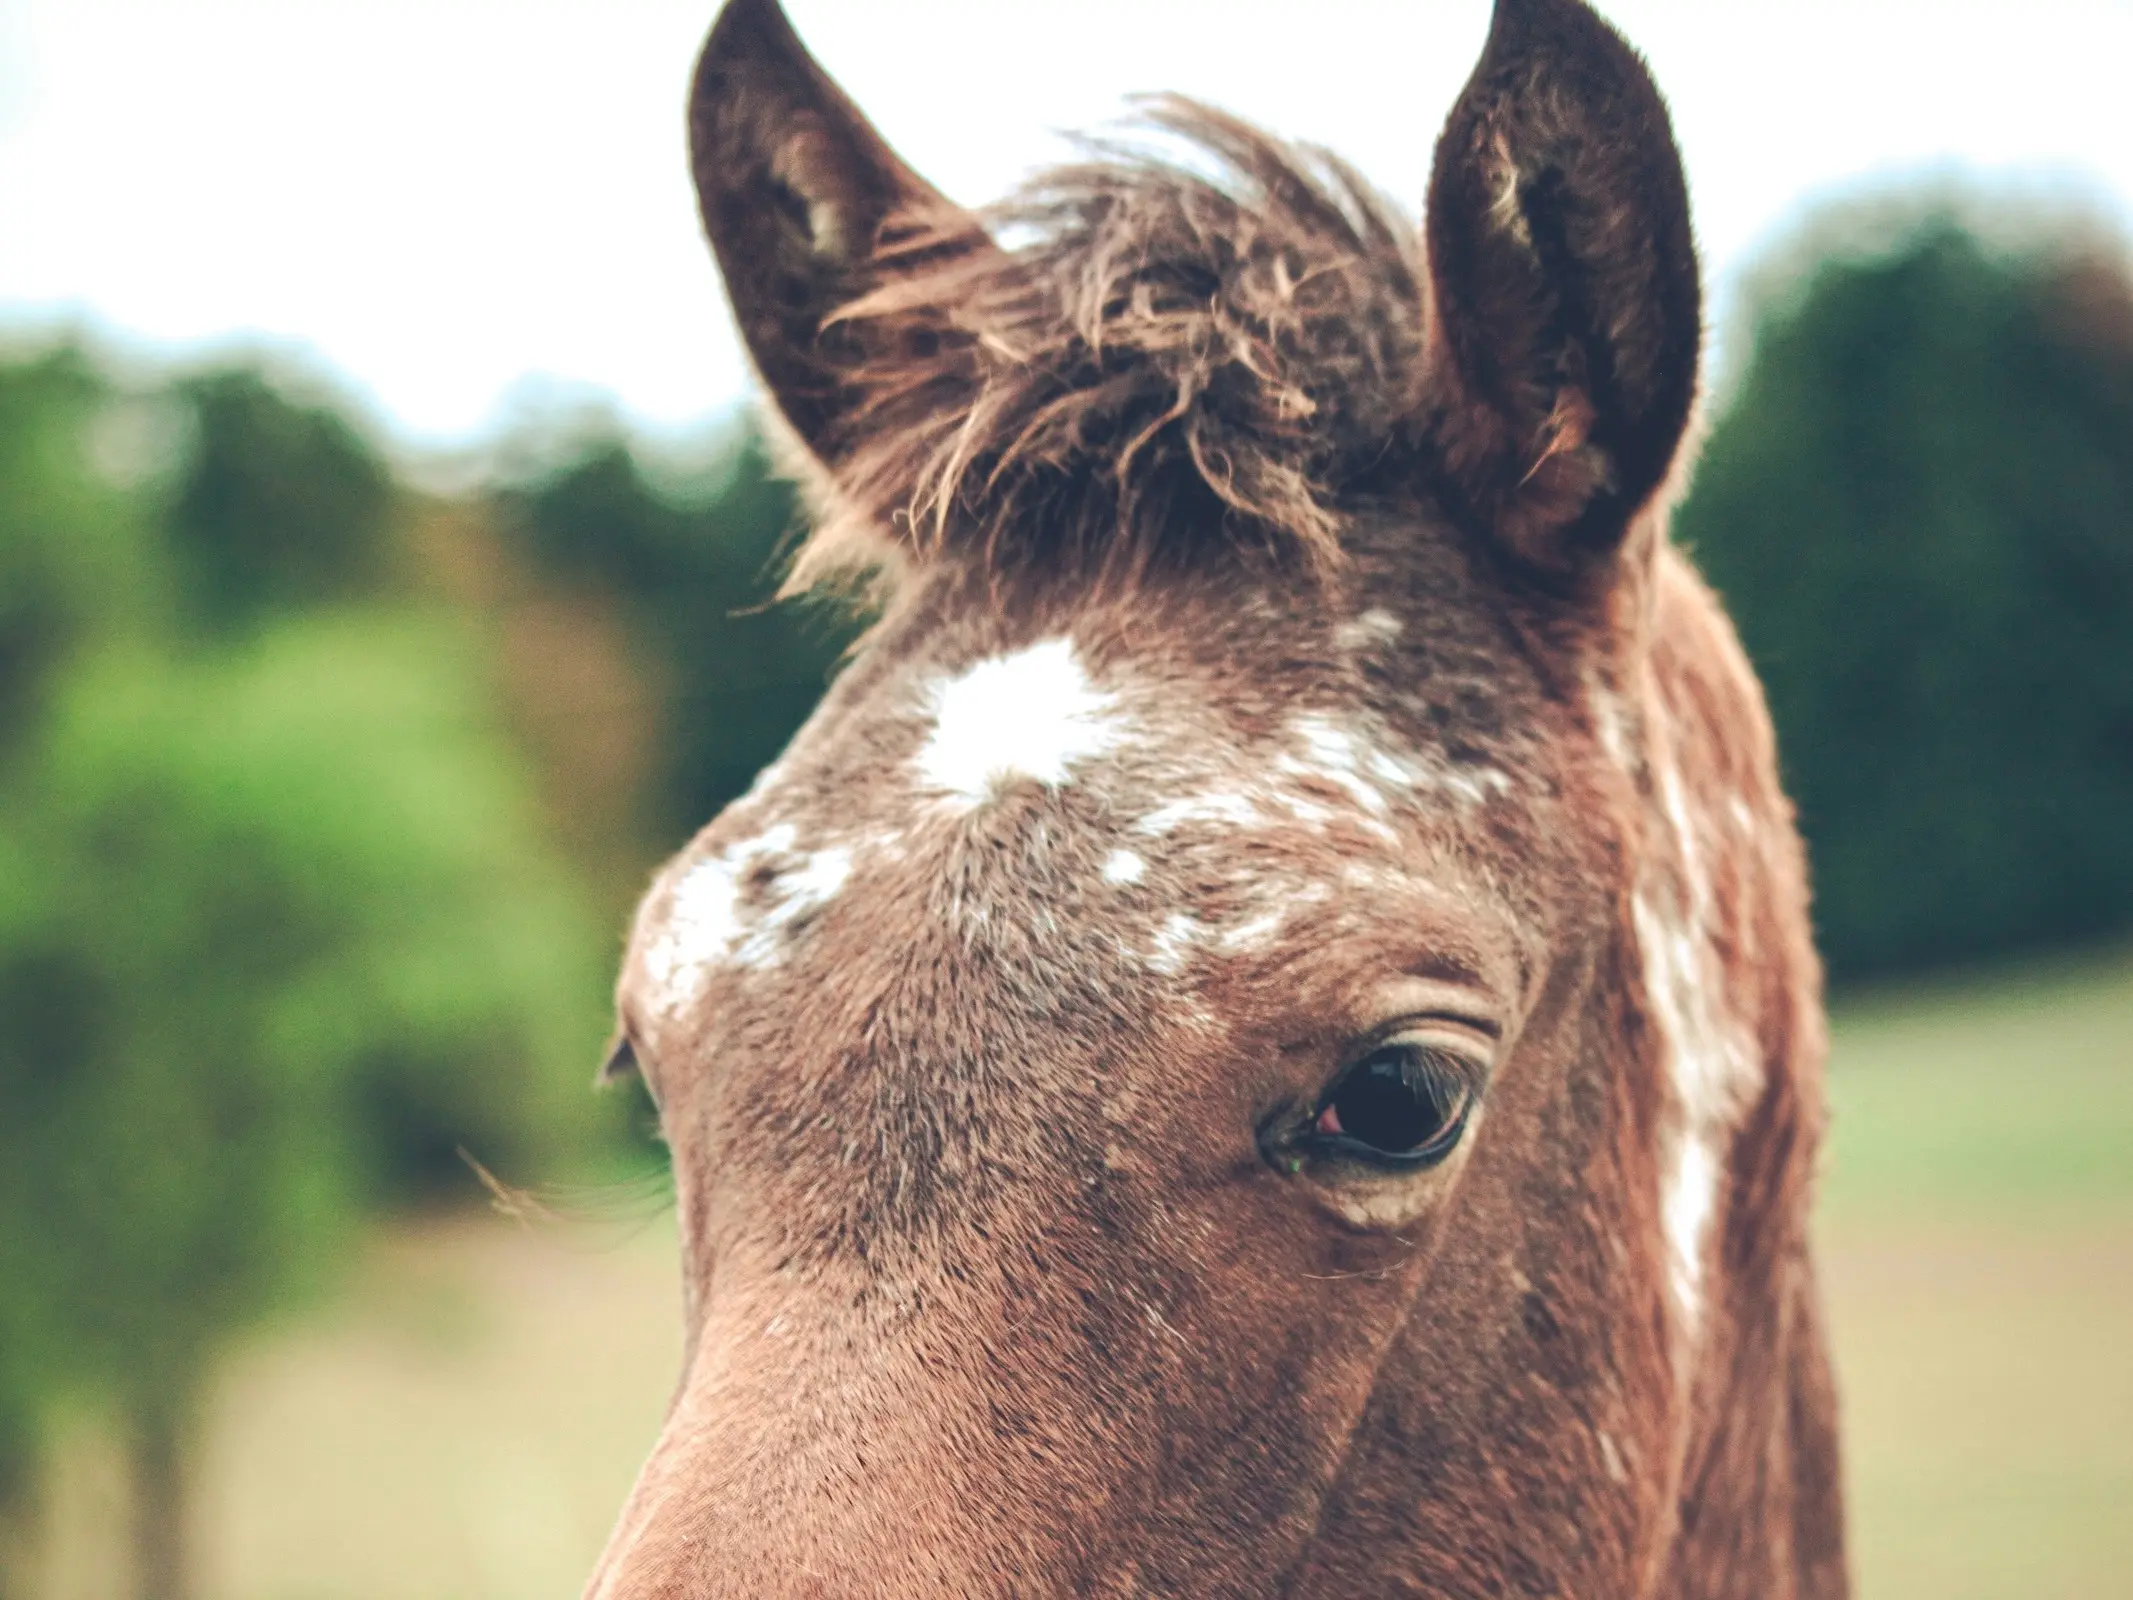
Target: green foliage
x=267, y=911
x=1919, y=507
x=693, y=558
x=281, y=503
x=74, y=550
x=76, y=559
x=280, y=930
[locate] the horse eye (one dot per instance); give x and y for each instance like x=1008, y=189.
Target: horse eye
x=1403, y=1103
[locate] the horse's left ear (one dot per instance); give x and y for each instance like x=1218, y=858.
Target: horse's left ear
x=1566, y=316
x=808, y=210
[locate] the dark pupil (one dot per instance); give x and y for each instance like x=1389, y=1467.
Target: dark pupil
x=1378, y=1106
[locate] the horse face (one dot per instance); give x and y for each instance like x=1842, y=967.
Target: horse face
x=1073, y=1053
x=1162, y=1058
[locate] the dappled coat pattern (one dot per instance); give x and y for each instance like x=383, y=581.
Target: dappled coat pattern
x=1263, y=1040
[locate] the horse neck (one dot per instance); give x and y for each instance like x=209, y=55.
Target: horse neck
x=1733, y=993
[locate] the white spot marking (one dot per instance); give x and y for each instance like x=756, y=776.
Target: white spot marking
x=1370, y=771
x=1690, y=1196
x=1122, y=867
x=1306, y=811
x=1366, y=773
x=1612, y=726
x=703, y=918
x=1031, y=715
x=1710, y=1057
x=801, y=893
x=1375, y=626
x=1234, y=809
x=1388, y=768
x=1173, y=944
x=1480, y=783
x=707, y=925
x=1256, y=934
x=1333, y=758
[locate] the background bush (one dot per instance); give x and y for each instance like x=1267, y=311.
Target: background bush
x=1918, y=505
x=280, y=926
x=691, y=555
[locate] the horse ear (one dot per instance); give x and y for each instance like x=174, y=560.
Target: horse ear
x=1566, y=315
x=807, y=209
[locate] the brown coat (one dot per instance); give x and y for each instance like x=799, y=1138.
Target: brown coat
x=1264, y=1039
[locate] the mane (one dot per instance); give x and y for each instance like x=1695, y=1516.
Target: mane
x=1134, y=358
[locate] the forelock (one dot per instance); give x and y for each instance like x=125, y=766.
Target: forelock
x=1169, y=352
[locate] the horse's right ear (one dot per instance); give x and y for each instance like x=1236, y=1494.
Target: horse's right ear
x=807, y=209
x=1565, y=308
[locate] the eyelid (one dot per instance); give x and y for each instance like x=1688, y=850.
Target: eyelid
x=1472, y=1042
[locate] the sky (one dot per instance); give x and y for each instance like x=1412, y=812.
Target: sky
x=455, y=205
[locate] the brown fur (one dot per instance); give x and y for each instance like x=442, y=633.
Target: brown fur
x=1226, y=352
x=1349, y=682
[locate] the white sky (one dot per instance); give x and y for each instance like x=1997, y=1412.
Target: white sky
x=442, y=198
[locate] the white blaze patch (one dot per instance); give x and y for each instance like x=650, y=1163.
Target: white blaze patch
x=1029, y=716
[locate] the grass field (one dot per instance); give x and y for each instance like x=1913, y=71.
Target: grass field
x=462, y=1425
x=1977, y=1233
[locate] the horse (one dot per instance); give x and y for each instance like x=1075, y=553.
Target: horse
x=1264, y=1038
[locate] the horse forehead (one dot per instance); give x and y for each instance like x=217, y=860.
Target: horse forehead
x=930, y=754
x=1145, y=803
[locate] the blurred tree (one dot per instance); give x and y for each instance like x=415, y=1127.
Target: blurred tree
x=282, y=503
x=76, y=558
x=691, y=555
x=279, y=930
x=267, y=912
x=1919, y=506
x=75, y=551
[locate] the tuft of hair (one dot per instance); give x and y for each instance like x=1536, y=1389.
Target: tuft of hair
x=1156, y=354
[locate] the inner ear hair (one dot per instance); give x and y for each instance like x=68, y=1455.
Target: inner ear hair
x=1566, y=309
